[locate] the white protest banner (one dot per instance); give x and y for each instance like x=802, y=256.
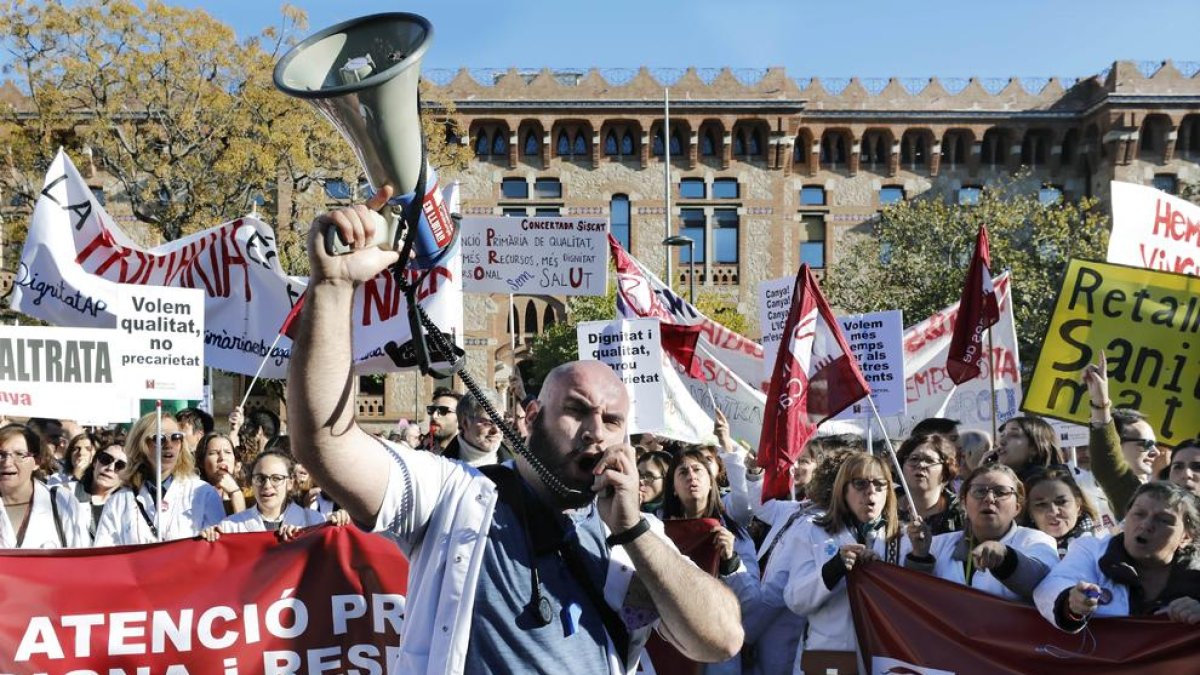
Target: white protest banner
x=75, y=255
x=774, y=301
x=1154, y=230
x=536, y=256
x=726, y=358
x=162, y=331
x=683, y=417
x=70, y=373
x=929, y=391
x=877, y=341
x=633, y=349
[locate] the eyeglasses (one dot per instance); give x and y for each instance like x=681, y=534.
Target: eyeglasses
x=261, y=479
x=1147, y=444
x=174, y=438
x=865, y=484
x=922, y=462
x=442, y=410
x=649, y=477
x=998, y=492
x=14, y=456
x=104, y=459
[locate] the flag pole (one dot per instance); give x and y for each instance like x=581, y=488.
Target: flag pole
x=667, y=178
x=992, y=381
x=258, y=372
x=887, y=441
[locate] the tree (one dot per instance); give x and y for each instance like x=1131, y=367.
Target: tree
x=918, y=253
x=718, y=308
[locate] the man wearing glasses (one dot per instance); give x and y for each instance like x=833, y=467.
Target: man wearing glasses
x=479, y=441
x=566, y=570
x=443, y=420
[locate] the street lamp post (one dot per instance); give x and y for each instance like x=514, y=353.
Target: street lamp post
x=681, y=240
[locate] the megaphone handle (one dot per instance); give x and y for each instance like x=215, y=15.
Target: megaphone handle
x=385, y=234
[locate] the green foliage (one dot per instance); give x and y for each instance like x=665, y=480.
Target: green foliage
x=558, y=344
x=720, y=309
x=917, y=258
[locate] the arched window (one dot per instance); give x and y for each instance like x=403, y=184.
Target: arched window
x=499, y=144
x=833, y=149
x=1070, y=147
x=564, y=144
x=739, y=146
x=482, y=144
x=1153, y=137
x=531, y=319
x=676, y=144
x=514, y=325
x=618, y=219
x=657, y=146
x=610, y=143
x=627, y=144
x=549, y=317
x=580, y=147
x=754, y=146
x=708, y=147
x=995, y=147
x=914, y=149
x=532, y=146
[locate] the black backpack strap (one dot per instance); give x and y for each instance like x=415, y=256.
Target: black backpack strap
x=510, y=492
x=147, y=518
x=62, y=538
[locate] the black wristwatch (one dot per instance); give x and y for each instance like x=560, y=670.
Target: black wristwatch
x=629, y=535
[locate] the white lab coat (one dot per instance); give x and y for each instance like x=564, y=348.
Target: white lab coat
x=250, y=520
x=40, y=532
x=1082, y=563
x=75, y=510
x=189, y=506
x=1033, y=543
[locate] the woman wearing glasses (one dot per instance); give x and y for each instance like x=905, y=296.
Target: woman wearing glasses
x=992, y=553
x=930, y=463
x=860, y=525
x=271, y=479
x=28, y=518
x=1150, y=568
x=81, y=504
x=652, y=472
x=1121, y=443
x=189, y=504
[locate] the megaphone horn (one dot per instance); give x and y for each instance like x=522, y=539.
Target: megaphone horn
x=363, y=75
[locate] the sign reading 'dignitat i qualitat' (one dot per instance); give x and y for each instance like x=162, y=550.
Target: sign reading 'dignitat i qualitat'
x=538, y=256
x=162, y=329
x=633, y=349
x=1148, y=325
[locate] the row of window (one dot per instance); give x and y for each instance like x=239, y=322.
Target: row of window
x=620, y=141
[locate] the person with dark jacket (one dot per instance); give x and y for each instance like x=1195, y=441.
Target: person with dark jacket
x=479, y=441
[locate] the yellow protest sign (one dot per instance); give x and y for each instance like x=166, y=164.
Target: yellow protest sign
x=1147, y=323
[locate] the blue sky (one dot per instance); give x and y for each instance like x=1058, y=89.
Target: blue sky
x=867, y=38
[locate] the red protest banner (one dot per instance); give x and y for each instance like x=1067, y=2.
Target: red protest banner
x=910, y=622
x=329, y=601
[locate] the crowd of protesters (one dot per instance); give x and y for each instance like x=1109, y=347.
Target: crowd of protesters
x=1017, y=520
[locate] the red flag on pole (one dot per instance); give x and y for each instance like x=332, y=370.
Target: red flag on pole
x=680, y=342
x=978, y=309
x=815, y=377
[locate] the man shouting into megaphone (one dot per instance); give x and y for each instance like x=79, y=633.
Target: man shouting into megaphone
x=544, y=562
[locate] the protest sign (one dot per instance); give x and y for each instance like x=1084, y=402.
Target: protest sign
x=537, y=256
x=1148, y=325
x=1154, y=230
x=774, y=301
x=332, y=600
x=877, y=342
x=62, y=372
x=726, y=359
x=75, y=256
x=162, y=331
x=633, y=349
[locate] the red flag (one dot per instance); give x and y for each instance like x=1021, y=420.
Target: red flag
x=968, y=631
x=289, y=323
x=815, y=377
x=680, y=342
x=978, y=309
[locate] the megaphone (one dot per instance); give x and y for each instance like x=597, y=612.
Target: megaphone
x=362, y=75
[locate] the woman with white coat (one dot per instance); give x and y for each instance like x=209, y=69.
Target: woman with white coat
x=271, y=479
x=27, y=520
x=79, y=505
x=860, y=525
x=188, y=503
x=1150, y=568
x=992, y=553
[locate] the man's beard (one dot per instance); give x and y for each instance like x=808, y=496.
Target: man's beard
x=540, y=447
